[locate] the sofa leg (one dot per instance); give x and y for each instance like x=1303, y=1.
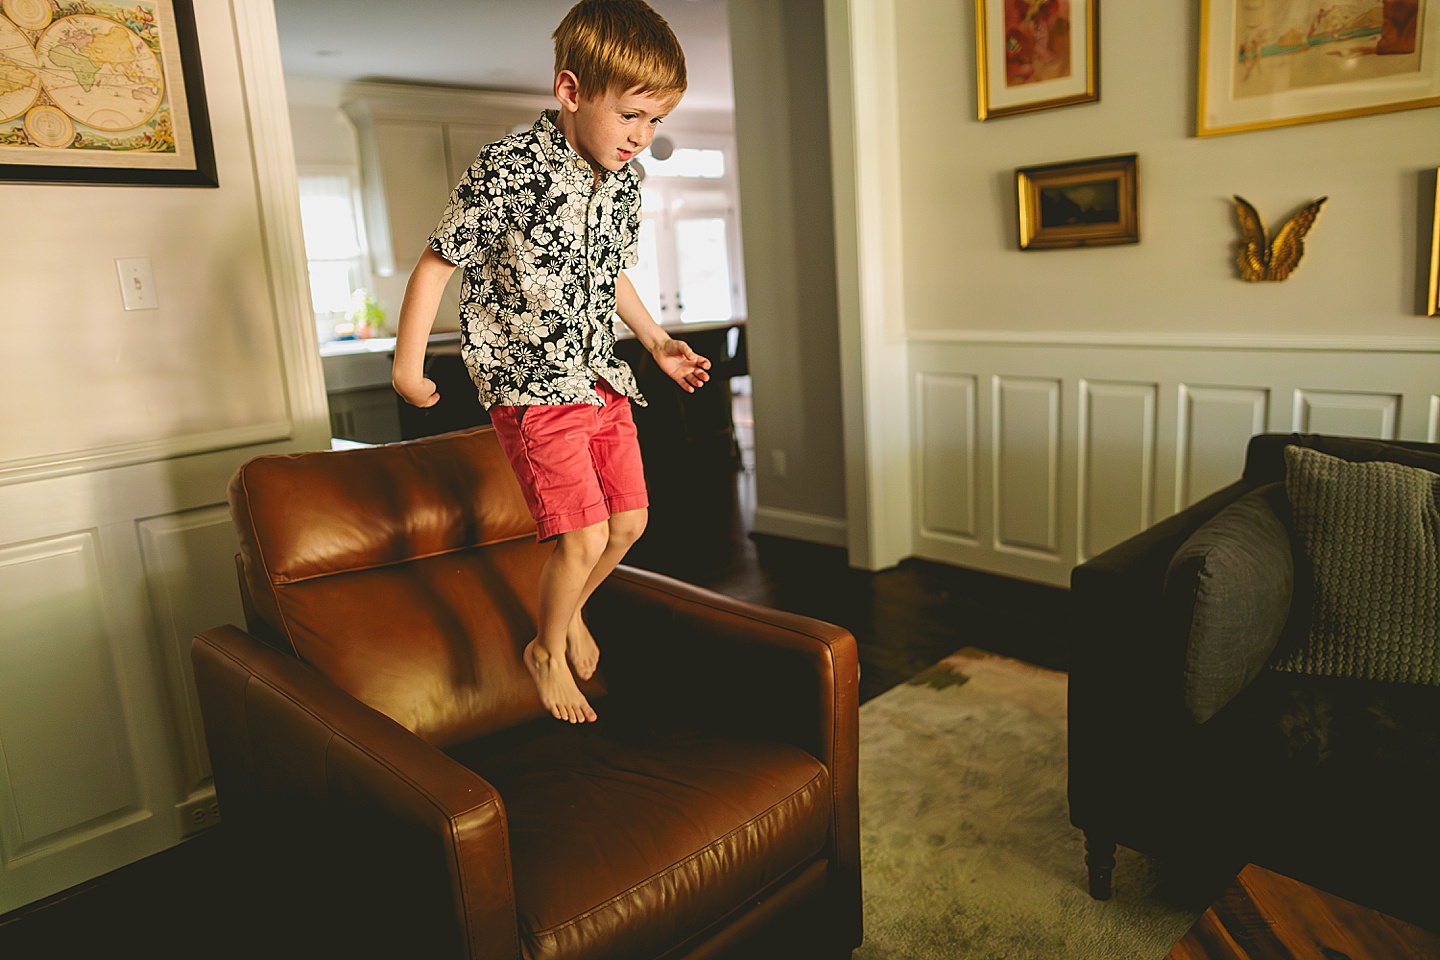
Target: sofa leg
x=1100, y=859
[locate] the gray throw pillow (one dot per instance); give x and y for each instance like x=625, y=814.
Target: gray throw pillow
x=1371, y=532
x=1229, y=589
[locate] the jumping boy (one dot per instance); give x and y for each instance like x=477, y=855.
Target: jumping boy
x=542, y=224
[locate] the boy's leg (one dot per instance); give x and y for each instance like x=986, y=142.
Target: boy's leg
x=562, y=582
x=557, y=476
x=615, y=452
x=581, y=649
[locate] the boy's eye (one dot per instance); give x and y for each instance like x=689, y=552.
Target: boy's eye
x=628, y=116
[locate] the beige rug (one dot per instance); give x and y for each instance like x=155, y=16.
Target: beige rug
x=966, y=845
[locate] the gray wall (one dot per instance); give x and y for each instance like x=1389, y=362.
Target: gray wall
x=783, y=137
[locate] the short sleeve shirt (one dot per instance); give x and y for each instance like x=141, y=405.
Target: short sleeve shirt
x=541, y=244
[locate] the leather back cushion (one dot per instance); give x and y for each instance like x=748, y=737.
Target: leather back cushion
x=405, y=573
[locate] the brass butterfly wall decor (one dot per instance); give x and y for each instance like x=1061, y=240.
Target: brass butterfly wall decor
x=1264, y=259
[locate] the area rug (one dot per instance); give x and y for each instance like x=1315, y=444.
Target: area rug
x=965, y=841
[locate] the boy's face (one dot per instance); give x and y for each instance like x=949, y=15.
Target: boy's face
x=610, y=129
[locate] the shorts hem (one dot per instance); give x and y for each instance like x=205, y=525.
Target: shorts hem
x=632, y=501
x=549, y=528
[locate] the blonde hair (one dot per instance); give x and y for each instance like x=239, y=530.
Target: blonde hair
x=620, y=45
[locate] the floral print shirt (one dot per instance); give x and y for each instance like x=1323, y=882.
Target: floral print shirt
x=541, y=244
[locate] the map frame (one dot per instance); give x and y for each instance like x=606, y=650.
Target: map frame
x=191, y=164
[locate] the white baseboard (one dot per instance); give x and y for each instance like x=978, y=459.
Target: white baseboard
x=796, y=525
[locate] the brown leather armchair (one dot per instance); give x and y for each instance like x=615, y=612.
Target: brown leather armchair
x=385, y=768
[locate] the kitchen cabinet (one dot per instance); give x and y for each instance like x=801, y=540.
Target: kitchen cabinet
x=415, y=143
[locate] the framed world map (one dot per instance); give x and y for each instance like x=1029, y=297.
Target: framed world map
x=97, y=92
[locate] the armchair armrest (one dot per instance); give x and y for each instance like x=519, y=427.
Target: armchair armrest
x=712, y=662
x=293, y=752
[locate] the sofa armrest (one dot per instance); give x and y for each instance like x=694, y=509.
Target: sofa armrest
x=705, y=660
x=291, y=751
x=1127, y=720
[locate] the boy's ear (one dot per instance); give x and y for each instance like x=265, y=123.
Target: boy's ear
x=567, y=90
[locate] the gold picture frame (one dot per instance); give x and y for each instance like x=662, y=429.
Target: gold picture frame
x=1036, y=55
x=1433, y=303
x=1271, y=63
x=1080, y=203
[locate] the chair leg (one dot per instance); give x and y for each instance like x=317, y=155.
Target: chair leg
x=1100, y=859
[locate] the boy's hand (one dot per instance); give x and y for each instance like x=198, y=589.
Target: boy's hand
x=681, y=364
x=417, y=393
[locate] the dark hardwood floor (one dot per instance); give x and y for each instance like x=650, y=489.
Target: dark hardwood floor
x=904, y=619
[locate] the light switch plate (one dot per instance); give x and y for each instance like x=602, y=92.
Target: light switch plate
x=137, y=283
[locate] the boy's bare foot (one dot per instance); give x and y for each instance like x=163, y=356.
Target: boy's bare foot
x=557, y=687
x=581, y=649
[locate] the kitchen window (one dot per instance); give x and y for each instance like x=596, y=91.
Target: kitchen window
x=690, y=264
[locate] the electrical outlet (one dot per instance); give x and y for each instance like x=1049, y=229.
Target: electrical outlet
x=198, y=813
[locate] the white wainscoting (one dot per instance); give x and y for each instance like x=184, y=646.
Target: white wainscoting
x=1030, y=457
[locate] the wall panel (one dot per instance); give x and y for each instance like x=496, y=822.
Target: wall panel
x=1026, y=460
x=1117, y=462
x=1347, y=414
x=1215, y=422
x=189, y=571
x=68, y=758
x=945, y=434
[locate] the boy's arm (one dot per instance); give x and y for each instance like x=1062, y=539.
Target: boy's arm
x=680, y=363
x=417, y=317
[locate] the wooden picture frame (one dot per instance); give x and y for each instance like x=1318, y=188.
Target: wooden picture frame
x=1266, y=63
x=1080, y=203
x=1036, y=55
x=103, y=93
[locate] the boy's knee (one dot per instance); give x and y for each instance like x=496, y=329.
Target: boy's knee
x=625, y=528
x=587, y=543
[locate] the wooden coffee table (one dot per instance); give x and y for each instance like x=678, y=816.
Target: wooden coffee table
x=1266, y=916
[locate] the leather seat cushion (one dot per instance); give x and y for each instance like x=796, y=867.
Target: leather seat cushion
x=625, y=842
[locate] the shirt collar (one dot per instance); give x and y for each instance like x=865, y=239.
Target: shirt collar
x=566, y=163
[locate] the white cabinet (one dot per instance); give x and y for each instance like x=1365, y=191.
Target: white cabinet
x=415, y=143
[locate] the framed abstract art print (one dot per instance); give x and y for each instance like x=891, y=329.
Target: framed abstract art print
x=1036, y=54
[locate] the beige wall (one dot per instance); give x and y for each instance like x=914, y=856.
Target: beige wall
x=963, y=271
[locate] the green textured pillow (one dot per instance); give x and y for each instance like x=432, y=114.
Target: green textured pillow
x=1228, y=588
x=1371, y=532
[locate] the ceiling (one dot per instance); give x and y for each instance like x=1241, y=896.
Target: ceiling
x=495, y=44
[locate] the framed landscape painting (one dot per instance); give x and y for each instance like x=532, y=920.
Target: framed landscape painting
x=1080, y=203
x=99, y=92
x=1035, y=54
x=1272, y=63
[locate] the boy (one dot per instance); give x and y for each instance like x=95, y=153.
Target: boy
x=542, y=224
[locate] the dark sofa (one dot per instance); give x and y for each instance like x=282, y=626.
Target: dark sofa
x=1331, y=780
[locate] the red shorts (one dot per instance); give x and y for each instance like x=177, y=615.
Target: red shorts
x=576, y=463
